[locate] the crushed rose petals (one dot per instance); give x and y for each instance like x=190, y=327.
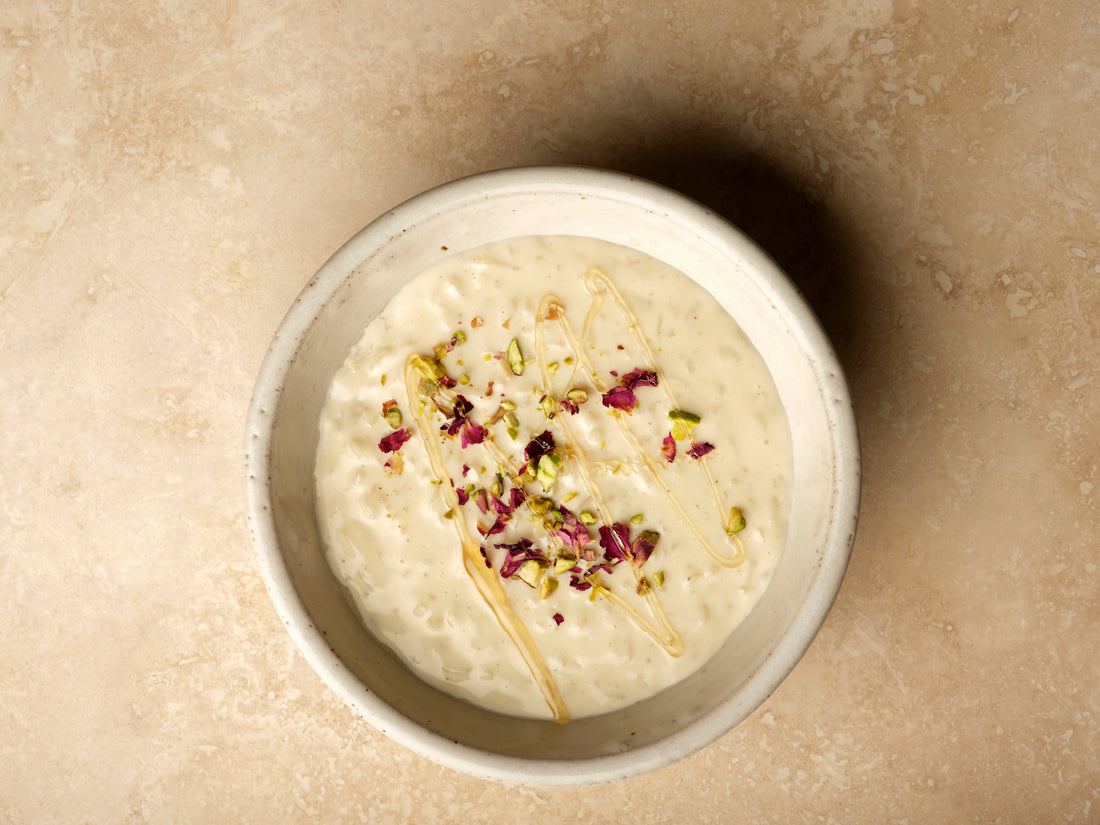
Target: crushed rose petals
x=639, y=378
x=698, y=450
x=668, y=448
x=394, y=441
x=620, y=398
x=558, y=618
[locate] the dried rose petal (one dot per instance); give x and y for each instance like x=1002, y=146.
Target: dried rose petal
x=699, y=450
x=558, y=618
x=540, y=445
x=639, y=378
x=518, y=553
x=394, y=441
x=577, y=583
x=447, y=381
x=471, y=433
x=620, y=398
x=572, y=533
x=485, y=556
x=668, y=448
x=518, y=496
x=615, y=541
x=496, y=527
x=463, y=496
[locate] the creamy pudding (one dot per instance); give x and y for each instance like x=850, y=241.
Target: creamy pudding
x=554, y=475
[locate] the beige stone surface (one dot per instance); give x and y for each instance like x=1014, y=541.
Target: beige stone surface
x=172, y=173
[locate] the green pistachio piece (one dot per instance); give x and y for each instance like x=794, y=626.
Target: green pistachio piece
x=510, y=420
x=530, y=572
x=428, y=387
x=568, y=360
x=540, y=505
x=440, y=351
x=548, y=406
x=458, y=338
x=427, y=367
x=552, y=367
x=547, y=472
x=383, y=379
x=563, y=564
x=450, y=514
x=513, y=433
x=464, y=379
x=393, y=418
x=586, y=518
x=682, y=423
x=548, y=586
x=659, y=578
x=577, y=395
x=643, y=586
x=736, y=521
x=515, y=357
x=636, y=520
x=507, y=405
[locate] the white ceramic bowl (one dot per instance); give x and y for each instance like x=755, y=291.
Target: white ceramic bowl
x=329, y=316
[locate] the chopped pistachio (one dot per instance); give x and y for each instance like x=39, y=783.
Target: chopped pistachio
x=682, y=423
x=577, y=395
x=510, y=420
x=464, y=379
x=428, y=387
x=568, y=360
x=636, y=520
x=458, y=338
x=548, y=586
x=552, y=367
x=643, y=586
x=450, y=513
x=563, y=564
x=440, y=351
x=515, y=357
x=540, y=505
x=383, y=379
x=513, y=433
x=736, y=521
x=530, y=572
x=547, y=472
x=659, y=578
x=393, y=418
x=427, y=367
x=586, y=518
x=548, y=406
x=507, y=405
x=569, y=497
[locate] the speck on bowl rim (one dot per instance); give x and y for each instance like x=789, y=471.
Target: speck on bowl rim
x=329, y=316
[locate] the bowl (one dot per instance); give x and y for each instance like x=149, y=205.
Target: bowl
x=281, y=440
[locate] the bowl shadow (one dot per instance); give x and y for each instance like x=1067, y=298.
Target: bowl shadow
x=799, y=229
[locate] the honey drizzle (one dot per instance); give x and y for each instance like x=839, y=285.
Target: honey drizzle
x=484, y=577
x=597, y=284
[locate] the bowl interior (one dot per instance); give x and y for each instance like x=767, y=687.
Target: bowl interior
x=330, y=316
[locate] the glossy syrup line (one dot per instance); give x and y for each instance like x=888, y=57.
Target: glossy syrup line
x=484, y=578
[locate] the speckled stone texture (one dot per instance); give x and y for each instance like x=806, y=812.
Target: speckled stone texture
x=174, y=172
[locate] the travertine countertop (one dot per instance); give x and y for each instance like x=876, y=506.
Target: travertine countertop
x=173, y=173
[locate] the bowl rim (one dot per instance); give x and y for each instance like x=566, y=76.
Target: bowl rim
x=792, y=645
